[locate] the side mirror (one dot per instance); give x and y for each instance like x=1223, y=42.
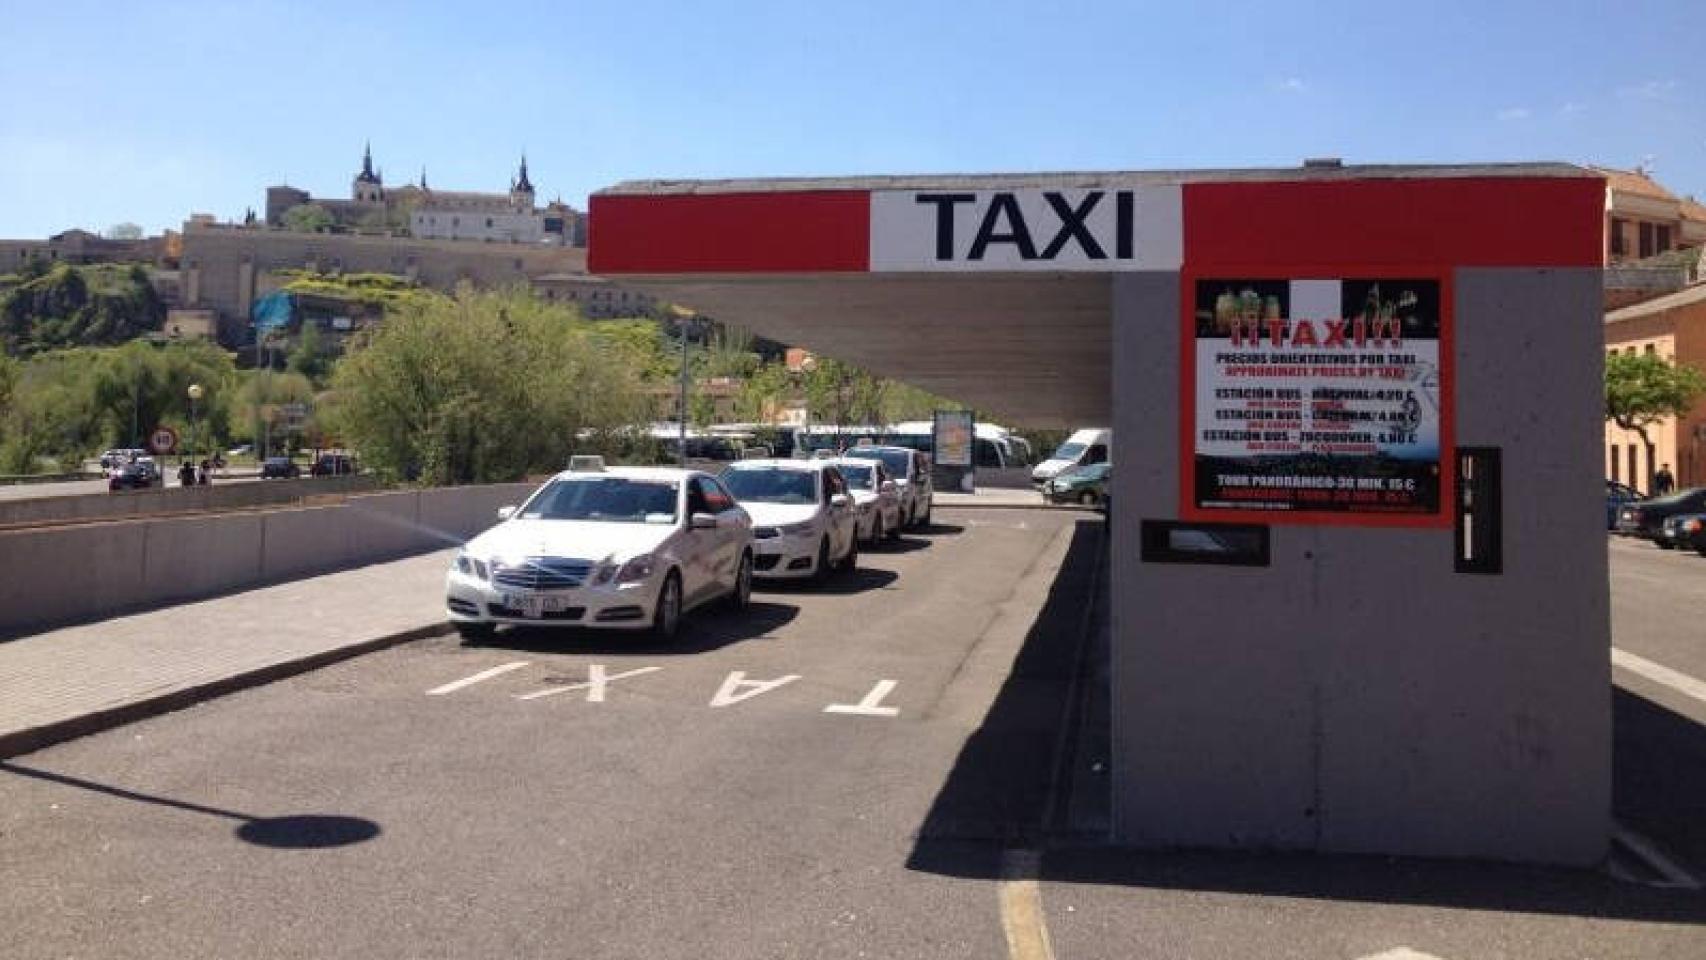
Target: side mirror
x=840, y=500
x=703, y=521
x=505, y=512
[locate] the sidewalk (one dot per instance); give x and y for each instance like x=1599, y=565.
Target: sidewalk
x=73, y=681
x=989, y=497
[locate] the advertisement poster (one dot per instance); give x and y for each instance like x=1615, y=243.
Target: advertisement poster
x=1318, y=396
x=954, y=431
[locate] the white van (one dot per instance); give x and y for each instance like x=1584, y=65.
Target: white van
x=1085, y=447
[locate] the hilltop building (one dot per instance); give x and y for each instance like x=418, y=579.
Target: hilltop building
x=421, y=211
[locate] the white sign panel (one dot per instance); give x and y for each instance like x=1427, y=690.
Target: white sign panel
x=1083, y=229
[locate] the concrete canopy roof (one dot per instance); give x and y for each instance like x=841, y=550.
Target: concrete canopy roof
x=812, y=261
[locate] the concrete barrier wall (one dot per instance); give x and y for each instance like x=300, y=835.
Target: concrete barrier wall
x=141, y=503
x=59, y=575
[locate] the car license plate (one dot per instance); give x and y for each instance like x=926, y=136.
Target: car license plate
x=533, y=605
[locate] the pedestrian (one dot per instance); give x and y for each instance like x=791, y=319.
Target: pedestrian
x=1663, y=482
x=186, y=474
x=202, y=474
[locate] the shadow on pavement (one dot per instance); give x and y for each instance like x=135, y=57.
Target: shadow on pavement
x=703, y=630
x=296, y=832
x=997, y=797
x=839, y=584
x=999, y=784
x=1384, y=880
x=901, y=544
x=1658, y=781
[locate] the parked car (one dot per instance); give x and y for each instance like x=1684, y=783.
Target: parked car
x=875, y=498
x=1677, y=530
x=804, y=520
x=279, y=468
x=1616, y=496
x=1087, y=485
x=119, y=456
x=911, y=472
x=139, y=474
x=1687, y=530
x=1084, y=448
x=1643, y=519
x=622, y=548
x=332, y=465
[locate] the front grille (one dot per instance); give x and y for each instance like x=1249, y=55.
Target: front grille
x=499, y=610
x=765, y=533
x=765, y=561
x=542, y=573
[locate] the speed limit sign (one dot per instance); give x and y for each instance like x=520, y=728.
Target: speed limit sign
x=163, y=440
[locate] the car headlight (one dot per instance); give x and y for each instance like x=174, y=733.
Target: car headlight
x=636, y=569
x=471, y=566
x=801, y=529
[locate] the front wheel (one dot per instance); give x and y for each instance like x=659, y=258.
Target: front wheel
x=741, y=597
x=1087, y=498
x=820, y=572
x=666, y=620
x=850, y=562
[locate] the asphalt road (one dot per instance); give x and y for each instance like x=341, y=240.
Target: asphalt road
x=748, y=793
x=645, y=820
x=73, y=488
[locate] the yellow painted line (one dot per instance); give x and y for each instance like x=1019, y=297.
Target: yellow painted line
x=1022, y=917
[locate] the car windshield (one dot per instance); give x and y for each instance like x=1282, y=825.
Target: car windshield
x=1068, y=451
x=771, y=485
x=858, y=476
x=895, y=460
x=604, y=499
x=276, y=461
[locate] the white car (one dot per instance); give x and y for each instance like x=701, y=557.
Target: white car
x=804, y=523
x=875, y=497
x=626, y=548
x=910, y=470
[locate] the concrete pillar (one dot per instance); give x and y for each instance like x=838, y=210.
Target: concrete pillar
x=1358, y=694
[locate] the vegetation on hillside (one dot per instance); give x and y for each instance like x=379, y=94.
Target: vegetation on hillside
x=49, y=308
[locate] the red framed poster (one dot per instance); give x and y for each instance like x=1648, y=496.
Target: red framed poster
x=1317, y=396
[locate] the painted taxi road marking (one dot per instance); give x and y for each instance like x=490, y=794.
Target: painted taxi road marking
x=869, y=707
x=736, y=687
x=456, y=685
x=1664, y=676
x=1401, y=953
x=1021, y=899
x=597, y=682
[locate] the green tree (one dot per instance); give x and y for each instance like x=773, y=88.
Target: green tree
x=484, y=386
x=79, y=306
x=308, y=357
x=1642, y=389
x=309, y=218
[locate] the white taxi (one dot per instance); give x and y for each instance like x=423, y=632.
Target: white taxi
x=626, y=548
x=876, y=498
x=804, y=521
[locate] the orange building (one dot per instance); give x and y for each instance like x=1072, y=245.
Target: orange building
x=1672, y=326
x=1643, y=219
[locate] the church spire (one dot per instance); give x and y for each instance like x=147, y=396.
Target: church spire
x=423, y=178
x=521, y=184
x=367, y=175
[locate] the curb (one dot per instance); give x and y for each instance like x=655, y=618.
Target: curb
x=1039, y=505
x=20, y=742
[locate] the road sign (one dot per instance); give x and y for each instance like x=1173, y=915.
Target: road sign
x=163, y=440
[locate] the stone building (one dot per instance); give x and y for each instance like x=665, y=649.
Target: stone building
x=83, y=247
x=225, y=267
x=421, y=211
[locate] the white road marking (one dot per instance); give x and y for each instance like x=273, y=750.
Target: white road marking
x=868, y=707
x=456, y=685
x=597, y=681
x=1401, y=953
x=1673, y=874
x=1021, y=897
x=736, y=681
x=1664, y=676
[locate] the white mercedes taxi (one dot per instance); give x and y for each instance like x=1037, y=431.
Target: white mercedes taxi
x=875, y=498
x=804, y=523
x=625, y=548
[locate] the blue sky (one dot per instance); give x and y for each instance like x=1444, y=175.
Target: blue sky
x=147, y=112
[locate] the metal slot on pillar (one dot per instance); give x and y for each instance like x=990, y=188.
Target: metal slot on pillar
x=1480, y=524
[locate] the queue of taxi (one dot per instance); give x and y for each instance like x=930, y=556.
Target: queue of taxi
x=637, y=548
